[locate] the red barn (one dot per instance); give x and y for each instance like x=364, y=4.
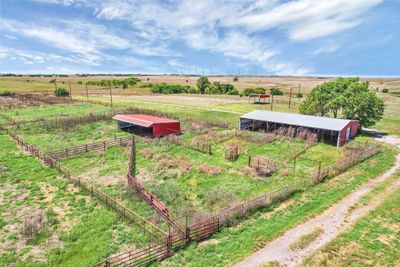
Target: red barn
x=147, y=124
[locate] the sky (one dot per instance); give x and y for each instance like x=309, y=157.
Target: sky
x=203, y=37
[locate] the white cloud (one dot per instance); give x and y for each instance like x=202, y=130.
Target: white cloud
x=236, y=29
x=326, y=49
x=198, y=23
x=307, y=19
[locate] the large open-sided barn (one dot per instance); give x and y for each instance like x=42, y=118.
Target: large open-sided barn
x=331, y=130
x=147, y=124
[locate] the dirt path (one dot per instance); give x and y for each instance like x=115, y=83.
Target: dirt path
x=333, y=221
x=177, y=105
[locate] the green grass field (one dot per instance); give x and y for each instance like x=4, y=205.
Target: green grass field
x=185, y=180
x=233, y=244
x=78, y=230
x=372, y=241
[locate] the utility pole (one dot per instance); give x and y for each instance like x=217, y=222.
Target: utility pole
x=290, y=97
x=87, y=93
x=299, y=88
x=55, y=83
x=272, y=100
x=70, y=91
x=109, y=83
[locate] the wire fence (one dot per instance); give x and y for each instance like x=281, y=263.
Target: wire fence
x=152, y=231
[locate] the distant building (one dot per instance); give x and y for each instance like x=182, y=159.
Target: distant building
x=147, y=125
x=331, y=130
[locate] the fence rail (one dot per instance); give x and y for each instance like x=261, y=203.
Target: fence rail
x=75, y=150
x=153, y=231
x=205, y=228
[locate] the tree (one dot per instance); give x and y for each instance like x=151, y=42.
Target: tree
x=124, y=85
x=202, y=83
x=346, y=96
x=326, y=97
x=276, y=91
x=363, y=105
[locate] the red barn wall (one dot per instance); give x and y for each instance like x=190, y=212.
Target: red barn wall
x=354, y=128
x=166, y=128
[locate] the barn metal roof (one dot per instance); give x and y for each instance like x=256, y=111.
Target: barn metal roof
x=297, y=119
x=142, y=120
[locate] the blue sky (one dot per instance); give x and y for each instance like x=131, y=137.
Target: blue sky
x=269, y=37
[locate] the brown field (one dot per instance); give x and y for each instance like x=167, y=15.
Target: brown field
x=42, y=84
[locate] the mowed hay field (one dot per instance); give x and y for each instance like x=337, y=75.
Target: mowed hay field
x=42, y=84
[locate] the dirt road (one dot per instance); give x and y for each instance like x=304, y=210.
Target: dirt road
x=333, y=221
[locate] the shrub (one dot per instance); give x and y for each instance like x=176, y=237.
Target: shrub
x=146, y=152
x=6, y=93
x=258, y=90
x=209, y=170
x=385, y=90
x=80, y=82
x=221, y=88
x=236, y=79
x=299, y=95
x=61, y=92
x=276, y=91
x=233, y=92
x=164, y=88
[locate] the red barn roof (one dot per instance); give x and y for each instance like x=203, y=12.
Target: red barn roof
x=142, y=120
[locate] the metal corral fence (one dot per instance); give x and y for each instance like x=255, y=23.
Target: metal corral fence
x=343, y=164
x=17, y=101
x=146, y=255
x=153, y=231
x=263, y=165
x=207, y=227
x=76, y=150
x=68, y=122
